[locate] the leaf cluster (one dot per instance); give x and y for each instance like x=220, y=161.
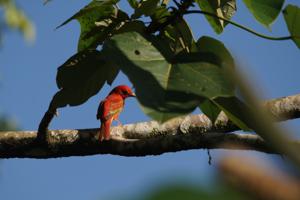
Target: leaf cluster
x=172, y=72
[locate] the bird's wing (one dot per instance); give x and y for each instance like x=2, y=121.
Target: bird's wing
x=100, y=110
x=109, y=107
x=115, y=107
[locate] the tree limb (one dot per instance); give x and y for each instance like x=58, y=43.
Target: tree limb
x=148, y=138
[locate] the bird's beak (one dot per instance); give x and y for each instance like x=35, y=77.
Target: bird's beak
x=133, y=94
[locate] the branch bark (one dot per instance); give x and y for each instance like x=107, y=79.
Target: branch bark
x=148, y=138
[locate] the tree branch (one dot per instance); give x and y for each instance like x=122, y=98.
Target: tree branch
x=148, y=138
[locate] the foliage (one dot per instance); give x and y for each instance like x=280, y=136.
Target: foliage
x=291, y=16
x=15, y=18
x=7, y=124
x=182, y=72
x=179, y=191
x=265, y=11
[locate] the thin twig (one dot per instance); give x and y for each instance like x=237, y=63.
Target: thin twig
x=240, y=26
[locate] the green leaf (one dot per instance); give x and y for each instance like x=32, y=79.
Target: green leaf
x=211, y=110
x=133, y=3
x=265, y=11
x=228, y=8
x=179, y=36
x=160, y=14
x=145, y=7
x=81, y=77
x=180, y=191
x=210, y=45
x=8, y=124
x=175, y=83
x=236, y=111
x=130, y=26
x=99, y=15
x=222, y=8
x=291, y=15
x=232, y=106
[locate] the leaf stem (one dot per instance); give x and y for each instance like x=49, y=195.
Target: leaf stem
x=239, y=25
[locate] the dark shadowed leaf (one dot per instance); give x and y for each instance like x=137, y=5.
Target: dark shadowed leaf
x=146, y=8
x=167, y=85
x=81, y=77
x=160, y=14
x=222, y=8
x=210, y=109
x=236, y=111
x=190, y=192
x=133, y=3
x=264, y=11
x=292, y=18
x=130, y=26
x=179, y=36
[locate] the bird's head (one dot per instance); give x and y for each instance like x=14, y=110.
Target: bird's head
x=123, y=90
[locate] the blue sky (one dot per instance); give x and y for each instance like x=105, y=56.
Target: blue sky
x=27, y=83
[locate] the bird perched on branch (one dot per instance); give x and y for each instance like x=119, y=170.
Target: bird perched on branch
x=110, y=108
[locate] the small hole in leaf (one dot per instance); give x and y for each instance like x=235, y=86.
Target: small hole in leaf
x=137, y=52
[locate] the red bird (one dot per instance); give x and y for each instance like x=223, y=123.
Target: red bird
x=110, y=108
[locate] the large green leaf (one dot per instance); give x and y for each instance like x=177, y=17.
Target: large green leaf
x=265, y=11
x=99, y=15
x=222, y=8
x=81, y=77
x=292, y=18
x=210, y=45
x=167, y=85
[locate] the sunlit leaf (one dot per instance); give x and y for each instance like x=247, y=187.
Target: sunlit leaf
x=264, y=11
x=97, y=15
x=292, y=18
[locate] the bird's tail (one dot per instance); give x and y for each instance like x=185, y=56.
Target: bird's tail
x=104, y=131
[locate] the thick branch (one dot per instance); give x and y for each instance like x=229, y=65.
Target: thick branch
x=147, y=138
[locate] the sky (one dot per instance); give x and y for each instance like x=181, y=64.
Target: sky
x=27, y=83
